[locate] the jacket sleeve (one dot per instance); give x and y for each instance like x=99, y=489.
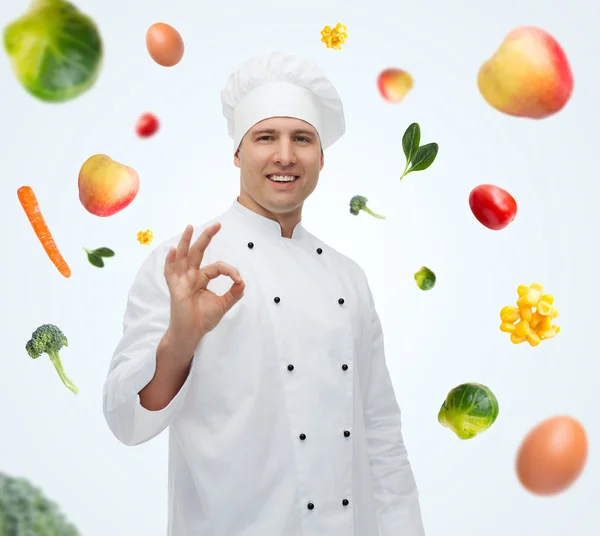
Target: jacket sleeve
x=133, y=363
x=394, y=486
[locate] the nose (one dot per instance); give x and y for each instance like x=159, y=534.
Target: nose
x=284, y=155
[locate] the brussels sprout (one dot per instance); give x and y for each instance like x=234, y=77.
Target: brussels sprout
x=55, y=50
x=469, y=409
x=425, y=278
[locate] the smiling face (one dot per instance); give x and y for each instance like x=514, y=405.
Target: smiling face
x=275, y=148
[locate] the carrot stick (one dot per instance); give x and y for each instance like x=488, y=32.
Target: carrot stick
x=31, y=207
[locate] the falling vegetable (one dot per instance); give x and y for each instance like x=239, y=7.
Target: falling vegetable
x=358, y=203
x=147, y=125
x=145, y=237
x=30, y=205
x=418, y=157
x=95, y=255
x=493, y=206
x=425, y=278
x=334, y=37
x=469, y=409
x=55, y=50
x=26, y=509
x=49, y=339
x=525, y=324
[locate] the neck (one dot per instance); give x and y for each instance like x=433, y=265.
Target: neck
x=287, y=220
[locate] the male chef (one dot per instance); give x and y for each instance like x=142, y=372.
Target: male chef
x=260, y=348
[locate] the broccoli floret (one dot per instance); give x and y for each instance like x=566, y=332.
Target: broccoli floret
x=26, y=511
x=358, y=203
x=50, y=339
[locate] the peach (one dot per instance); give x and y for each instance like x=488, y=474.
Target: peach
x=527, y=76
x=394, y=84
x=106, y=186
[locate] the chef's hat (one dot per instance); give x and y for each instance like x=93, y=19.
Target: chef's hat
x=282, y=85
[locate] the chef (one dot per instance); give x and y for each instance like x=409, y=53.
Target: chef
x=260, y=348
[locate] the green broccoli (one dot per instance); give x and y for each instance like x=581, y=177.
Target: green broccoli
x=50, y=339
x=25, y=510
x=358, y=203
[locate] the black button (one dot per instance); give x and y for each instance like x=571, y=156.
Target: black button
x=276, y=300
x=346, y=434
x=341, y=301
x=344, y=367
x=310, y=506
x=250, y=245
x=345, y=502
x=302, y=437
x=290, y=367
x=319, y=251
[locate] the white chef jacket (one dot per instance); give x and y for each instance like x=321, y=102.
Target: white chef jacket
x=287, y=424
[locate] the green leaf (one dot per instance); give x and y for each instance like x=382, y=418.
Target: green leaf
x=424, y=157
x=96, y=260
x=410, y=141
x=104, y=252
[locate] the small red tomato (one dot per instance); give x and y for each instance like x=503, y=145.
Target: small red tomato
x=493, y=207
x=147, y=125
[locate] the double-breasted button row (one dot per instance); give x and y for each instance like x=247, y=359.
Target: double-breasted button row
x=303, y=436
x=251, y=245
x=277, y=299
x=291, y=367
x=311, y=506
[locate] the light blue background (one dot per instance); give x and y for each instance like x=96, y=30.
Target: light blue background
x=434, y=340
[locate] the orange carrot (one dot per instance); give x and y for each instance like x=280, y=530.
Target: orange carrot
x=31, y=207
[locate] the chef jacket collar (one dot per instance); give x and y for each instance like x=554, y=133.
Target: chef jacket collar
x=265, y=225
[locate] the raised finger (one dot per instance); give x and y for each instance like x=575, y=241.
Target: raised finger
x=233, y=295
x=181, y=256
x=170, y=262
x=198, y=248
x=218, y=268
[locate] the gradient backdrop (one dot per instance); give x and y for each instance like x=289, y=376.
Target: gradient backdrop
x=434, y=340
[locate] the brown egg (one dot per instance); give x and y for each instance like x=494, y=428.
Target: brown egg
x=164, y=44
x=552, y=455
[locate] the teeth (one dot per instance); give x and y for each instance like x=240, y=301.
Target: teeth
x=282, y=178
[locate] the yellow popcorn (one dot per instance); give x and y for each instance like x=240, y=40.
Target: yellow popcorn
x=334, y=37
x=531, y=319
x=145, y=237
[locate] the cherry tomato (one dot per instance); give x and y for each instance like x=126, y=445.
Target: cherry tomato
x=147, y=125
x=493, y=207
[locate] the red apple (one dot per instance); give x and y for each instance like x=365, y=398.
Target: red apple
x=528, y=75
x=106, y=186
x=394, y=84
x=493, y=207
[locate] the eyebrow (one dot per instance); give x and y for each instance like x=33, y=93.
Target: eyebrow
x=296, y=131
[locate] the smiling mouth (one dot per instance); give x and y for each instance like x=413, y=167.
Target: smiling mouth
x=282, y=179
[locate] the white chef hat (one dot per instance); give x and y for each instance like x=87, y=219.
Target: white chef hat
x=282, y=85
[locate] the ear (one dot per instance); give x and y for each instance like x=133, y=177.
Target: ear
x=322, y=159
x=236, y=159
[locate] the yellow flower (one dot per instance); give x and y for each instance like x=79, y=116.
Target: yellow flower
x=334, y=37
x=145, y=237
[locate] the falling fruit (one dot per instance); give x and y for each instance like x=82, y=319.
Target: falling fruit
x=164, y=44
x=147, y=125
x=528, y=75
x=394, y=84
x=106, y=186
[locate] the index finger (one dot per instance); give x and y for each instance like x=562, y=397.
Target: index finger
x=196, y=252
